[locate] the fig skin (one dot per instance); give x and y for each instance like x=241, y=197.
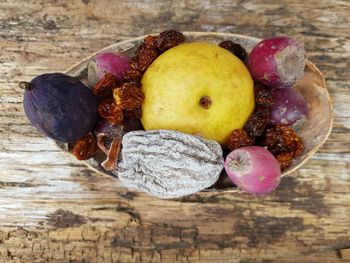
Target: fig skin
x=60, y=106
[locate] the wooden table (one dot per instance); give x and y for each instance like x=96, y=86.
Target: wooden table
x=54, y=209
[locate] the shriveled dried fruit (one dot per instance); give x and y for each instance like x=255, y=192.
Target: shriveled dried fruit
x=298, y=146
x=128, y=96
x=169, y=39
x=128, y=114
x=273, y=140
x=105, y=132
x=263, y=95
x=110, y=111
x=111, y=162
x=239, y=138
x=284, y=159
x=84, y=148
x=169, y=163
x=109, y=137
x=257, y=122
x=104, y=85
x=132, y=75
x=145, y=55
x=282, y=139
x=234, y=48
x=292, y=140
x=150, y=41
x=111, y=147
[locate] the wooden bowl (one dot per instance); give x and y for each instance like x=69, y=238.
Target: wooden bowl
x=312, y=86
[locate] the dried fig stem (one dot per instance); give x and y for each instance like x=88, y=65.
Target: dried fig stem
x=25, y=85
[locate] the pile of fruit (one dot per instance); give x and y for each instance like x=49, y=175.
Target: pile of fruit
x=178, y=116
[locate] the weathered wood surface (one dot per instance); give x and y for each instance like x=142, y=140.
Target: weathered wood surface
x=53, y=209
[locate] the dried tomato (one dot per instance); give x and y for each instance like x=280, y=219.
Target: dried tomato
x=257, y=122
x=235, y=49
x=145, y=55
x=284, y=159
x=128, y=114
x=84, y=148
x=132, y=75
x=263, y=95
x=292, y=140
x=128, y=96
x=238, y=138
x=273, y=140
x=150, y=41
x=169, y=39
x=104, y=85
x=110, y=111
x=282, y=139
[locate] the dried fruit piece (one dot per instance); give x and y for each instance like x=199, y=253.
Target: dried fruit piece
x=110, y=164
x=150, y=41
x=104, y=85
x=144, y=57
x=273, y=140
x=84, y=148
x=128, y=96
x=105, y=132
x=128, y=114
x=169, y=39
x=263, y=95
x=101, y=139
x=169, y=164
x=235, y=49
x=109, y=137
x=284, y=159
x=292, y=140
x=110, y=111
x=281, y=139
x=132, y=75
x=239, y=138
x=258, y=121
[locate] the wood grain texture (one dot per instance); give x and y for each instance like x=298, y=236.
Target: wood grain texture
x=53, y=209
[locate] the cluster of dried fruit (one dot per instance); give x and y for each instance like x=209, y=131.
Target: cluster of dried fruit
x=120, y=98
x=281, y=140
x=151, y=48
x=235, y=49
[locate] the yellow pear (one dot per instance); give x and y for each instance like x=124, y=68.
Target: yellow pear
x=197, y=88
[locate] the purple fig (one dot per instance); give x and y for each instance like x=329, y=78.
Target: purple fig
x=60, y=106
